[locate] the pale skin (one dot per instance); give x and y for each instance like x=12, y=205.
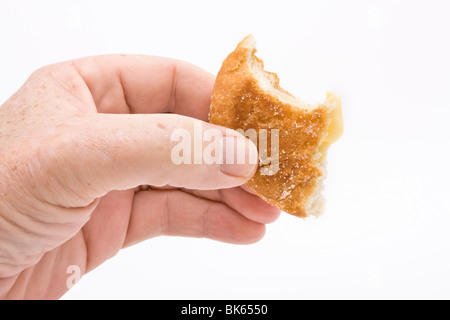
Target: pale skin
x=78, y=138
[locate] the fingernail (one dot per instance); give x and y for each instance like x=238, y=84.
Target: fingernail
x=240, y=157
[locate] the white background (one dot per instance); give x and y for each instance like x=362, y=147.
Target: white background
x=385, y=233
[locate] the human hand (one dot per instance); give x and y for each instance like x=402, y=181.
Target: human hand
x=77, y=140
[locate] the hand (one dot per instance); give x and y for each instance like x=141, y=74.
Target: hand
x=76, y=142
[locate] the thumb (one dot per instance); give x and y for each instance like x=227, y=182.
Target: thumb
x=99, y=153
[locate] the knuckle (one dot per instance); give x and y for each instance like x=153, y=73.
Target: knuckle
x=40, y=74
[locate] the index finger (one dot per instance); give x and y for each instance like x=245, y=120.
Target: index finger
x=146, y=84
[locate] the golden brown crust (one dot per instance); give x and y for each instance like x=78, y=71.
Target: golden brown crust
x=239, y=102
